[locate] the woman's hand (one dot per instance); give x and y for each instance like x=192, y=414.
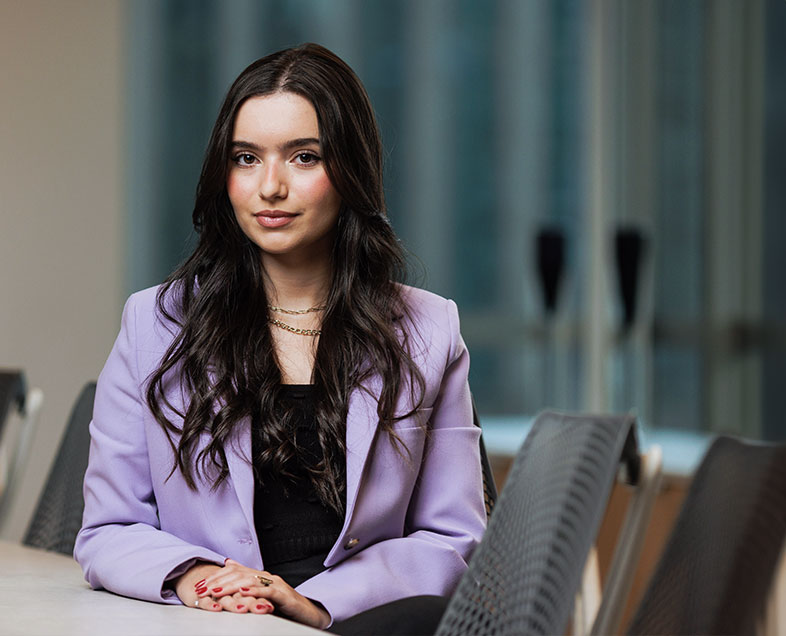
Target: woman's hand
x=235, y=581
x=189, y=584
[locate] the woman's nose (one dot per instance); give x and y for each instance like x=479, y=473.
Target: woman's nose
x=273, y=184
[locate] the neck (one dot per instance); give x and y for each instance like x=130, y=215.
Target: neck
x=296, y=285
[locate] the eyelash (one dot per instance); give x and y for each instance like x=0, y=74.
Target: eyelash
x=237, y=158
x=311, y=158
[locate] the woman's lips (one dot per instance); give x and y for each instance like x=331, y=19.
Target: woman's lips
x=274, y=218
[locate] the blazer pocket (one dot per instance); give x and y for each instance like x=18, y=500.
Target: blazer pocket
x=411, y=433
x=418, y=420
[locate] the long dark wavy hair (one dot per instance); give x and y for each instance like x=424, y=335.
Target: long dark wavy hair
x=222, y=358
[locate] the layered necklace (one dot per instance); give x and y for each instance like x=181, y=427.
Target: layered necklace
x=295, y=312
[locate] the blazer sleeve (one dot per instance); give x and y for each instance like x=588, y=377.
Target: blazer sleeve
x=121, y=547
x=446, y=516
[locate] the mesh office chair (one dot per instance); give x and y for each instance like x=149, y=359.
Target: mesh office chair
x=489, y=486
x=718, y=565
x=58, y=516
x=526, y=571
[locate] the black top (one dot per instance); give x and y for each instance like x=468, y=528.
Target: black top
x=295, y=530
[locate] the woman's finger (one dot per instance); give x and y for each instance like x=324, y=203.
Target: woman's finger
x=221, y=585
x=207, y=604
x=236, y=583
x=232, y=604
x=231, y=569
x=232, y=579
x=258, y=605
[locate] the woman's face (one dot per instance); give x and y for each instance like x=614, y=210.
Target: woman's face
x=277, y=184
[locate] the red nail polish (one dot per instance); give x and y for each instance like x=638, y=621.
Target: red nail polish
x=201, y=590
x=241, y=607
x=217, y=589
x=259, y=607
x=244, y=589
x=199, y=583
x=215, y=605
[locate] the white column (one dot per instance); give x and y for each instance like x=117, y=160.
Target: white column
x=734, y=209
x=522, y=149
x=429, y=130
x=599, y=166
x=637, y=185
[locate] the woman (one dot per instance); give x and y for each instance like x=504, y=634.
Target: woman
x=280, y=426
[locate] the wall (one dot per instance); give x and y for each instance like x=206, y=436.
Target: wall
x=61, y=205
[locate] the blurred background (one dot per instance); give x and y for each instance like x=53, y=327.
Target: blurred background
x=597, y=183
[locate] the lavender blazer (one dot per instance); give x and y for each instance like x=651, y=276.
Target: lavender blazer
x=410, y=524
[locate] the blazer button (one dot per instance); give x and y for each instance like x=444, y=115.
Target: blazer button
x=351, y=543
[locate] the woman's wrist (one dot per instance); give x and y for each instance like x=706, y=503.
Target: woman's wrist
x=324, y=619
x=185, y=585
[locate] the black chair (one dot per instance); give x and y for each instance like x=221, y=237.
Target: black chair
x=526, y=571
x=489, y=486
x=718, y=565
x=19, y=411
x=58, y=515
x=12, y=394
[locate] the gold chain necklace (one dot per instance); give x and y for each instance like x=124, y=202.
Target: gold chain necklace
x=297, y=330
x=296, y=312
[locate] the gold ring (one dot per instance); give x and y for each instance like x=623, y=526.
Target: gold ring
x=263, y=580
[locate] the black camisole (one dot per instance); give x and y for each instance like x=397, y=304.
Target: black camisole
x=295, y=530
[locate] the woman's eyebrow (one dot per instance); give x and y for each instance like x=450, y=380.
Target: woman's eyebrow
x=239, y=144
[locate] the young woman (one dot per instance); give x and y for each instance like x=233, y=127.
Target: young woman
x=280, y=426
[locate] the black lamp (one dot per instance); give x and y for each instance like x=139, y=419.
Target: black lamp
x=629, y=248
x=550, y=249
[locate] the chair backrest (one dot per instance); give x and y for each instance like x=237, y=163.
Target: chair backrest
x=16, y=435
x=524, y=575
x=718, y=564
x=58, y=516
x=12, y=394
x=630, y=542
x=489, y=486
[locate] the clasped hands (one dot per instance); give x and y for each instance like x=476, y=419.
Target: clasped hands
x=237, y=588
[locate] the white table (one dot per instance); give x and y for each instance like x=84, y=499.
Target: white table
x=42, y=593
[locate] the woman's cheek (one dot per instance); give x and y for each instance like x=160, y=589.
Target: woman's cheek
x=237, y=188
x=320, y=184
x=320, y=190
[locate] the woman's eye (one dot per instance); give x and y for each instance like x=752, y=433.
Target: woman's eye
x=306, y=158
x=244, y=159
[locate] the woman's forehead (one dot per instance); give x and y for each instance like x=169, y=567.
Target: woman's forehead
x=276, y=118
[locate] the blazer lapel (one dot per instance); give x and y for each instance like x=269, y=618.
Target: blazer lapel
x=241, y=471
x=239, y=463
x=362, y=421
